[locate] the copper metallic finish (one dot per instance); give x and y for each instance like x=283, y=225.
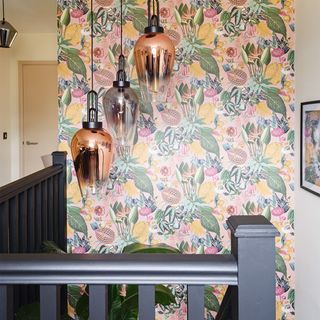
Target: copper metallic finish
x=92, y=154
x=154, y=57
x=121, y=108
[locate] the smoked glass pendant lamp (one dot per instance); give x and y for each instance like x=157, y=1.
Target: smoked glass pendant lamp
x=7, y=32
x=154, y=55
x=92, y=147
x=121, y=108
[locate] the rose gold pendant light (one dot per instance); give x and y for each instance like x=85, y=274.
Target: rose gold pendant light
x=7, y=32
x=121, y=107
x=91, y=146
x=154, y=55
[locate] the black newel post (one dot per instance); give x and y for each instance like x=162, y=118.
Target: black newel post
x=253, y=245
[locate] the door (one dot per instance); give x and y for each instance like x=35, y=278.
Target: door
x=39, y=113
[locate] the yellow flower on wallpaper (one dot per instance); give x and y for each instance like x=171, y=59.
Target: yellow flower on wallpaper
x=73, y=192
x=74, y=113
x=196, y=70
x=273, y=73
x=263, y=30
x=141, y=152
x=274, y=152
x=206, y=112
x=197, y=149
x=141, y=231
x=207, y=191
x=206, y=33
x=131, y=189
x=73, y=34
x=129, y=31
x=197, y=228
x=64, y=71
x=263, y=188
x=263, y=110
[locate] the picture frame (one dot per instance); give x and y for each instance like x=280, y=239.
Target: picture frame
x=310, y=147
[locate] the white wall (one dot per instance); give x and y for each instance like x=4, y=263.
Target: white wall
x=5, y=150
x=27, y=47
x=307, y=205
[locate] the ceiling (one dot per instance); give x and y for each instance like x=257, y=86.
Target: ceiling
x=32, y=16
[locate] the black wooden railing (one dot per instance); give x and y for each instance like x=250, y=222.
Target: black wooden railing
x=249, y=271
x=33, y=209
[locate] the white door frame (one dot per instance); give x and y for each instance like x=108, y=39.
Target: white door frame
x=21, y=64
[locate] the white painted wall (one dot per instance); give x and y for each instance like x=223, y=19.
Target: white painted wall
x=307, y=205
x=27, y=47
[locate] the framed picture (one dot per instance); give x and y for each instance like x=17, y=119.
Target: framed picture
x=310, y=147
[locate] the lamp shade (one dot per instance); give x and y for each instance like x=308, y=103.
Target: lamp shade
x=154, y=55
x=7, y=34
x=92, y=153
x=121, y=108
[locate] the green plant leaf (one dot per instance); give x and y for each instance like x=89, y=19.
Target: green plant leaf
x=209, y=64
x=140, y=22
x=199, y=96
x=209, y=222
x=65, y=17
x=199, y=176
x=266, y=136
x=210, y=300
x=77, y=222
x=208, y=141
x=82, y=308
x=143, y=248
x=48, y=246
x=177, y=16
x=66, y=98
x=275, y=23
x=267, y=213
x=29, y=312
x=275, y=103
x=73, y=295
x=280, y=264
x=133, y=215
x=143, y=182
x=266, y=56
x=76, y=65
x=275, y=182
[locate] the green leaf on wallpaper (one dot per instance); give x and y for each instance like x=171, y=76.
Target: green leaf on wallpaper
x=199, y=96
x=146, y=108
x=275, y=182
x=210, y=300
x=208, y=63
x=142, y=182
x=280, y=264
x=140, y=22
x=275, y=22
x=267, y=213
x=76, y=65
x=66, y=98
x=199, y=17
x=208, y=141
x=177, y=16
x=65, y=17
x=209, y=221
x=275, y=103
x=76, y=221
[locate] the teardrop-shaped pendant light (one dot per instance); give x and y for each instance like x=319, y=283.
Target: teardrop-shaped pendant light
x=7, y=32
x=121, y=108
x=91, y=146
x=154, y=55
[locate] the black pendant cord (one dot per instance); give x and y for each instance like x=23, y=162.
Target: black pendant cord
x=3, y=15
x=121, y=28
x=92, y=39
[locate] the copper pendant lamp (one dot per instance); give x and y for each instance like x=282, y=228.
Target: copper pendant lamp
x=91, y=146
x=121, y=108
x=154, y=55
x=7, y=32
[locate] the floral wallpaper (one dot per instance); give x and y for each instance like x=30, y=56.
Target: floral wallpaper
x=221, y=145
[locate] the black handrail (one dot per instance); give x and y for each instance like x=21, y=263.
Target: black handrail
x=249, y=271
x=33, y=209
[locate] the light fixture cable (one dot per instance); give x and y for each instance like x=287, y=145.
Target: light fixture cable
x=3, y=16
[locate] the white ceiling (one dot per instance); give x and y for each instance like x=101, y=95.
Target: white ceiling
x=31, y=16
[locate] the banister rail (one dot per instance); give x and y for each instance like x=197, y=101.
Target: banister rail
x=118, y=269
x=33, y=209
x=249, y=271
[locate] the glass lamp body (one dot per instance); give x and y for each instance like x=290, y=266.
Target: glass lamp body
x=121, y=108
x=92, y=153
x=154, y=55
x=7, y=34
